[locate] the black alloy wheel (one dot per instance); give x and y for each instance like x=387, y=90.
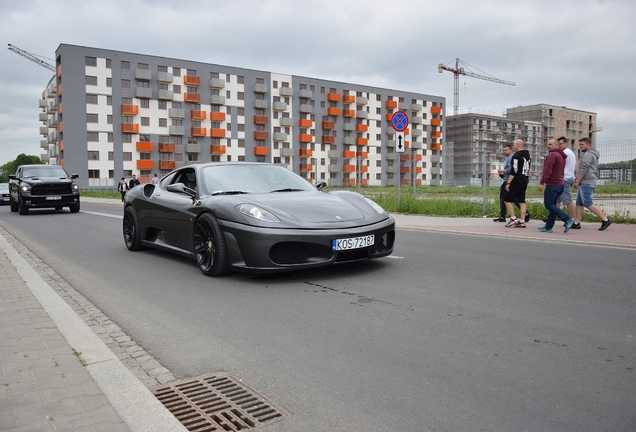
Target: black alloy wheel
x=132, y=234
x=209, y=246
x=22, y=208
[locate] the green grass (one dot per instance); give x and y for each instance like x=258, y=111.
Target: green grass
x=451, y=201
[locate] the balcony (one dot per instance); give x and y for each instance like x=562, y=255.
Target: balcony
x=328, y=139
x=279, y=136
x=144, y=146
x=192, y=97
x=176, y=130
x=52, y=121
x=131, y=128
x=165, y=147
x=436, y=122
x=305, y=153
x=217, y=133
x=388, y=117
x=348, y=154
x=333, y=97
x=417, y=146
x=348, y=99
x=390, y=104
x=348, y=126
x=333, y=154
x=52, y=137
x=348, y=168
x=349, y=140
x=216, y=116
x=216, y=83
x=436, y=110
x=305, y=94
x=198, y=132
x=261, y=135
x=51, y=107
x=260, y=119
x=286, y=152
x=145, y=164
x=305, y=138
x=333, y=111
x=361, y=100
x=44, y=144
x=436, y=146
x=164, y=77
x=167, y=165
x=217, y=149
x=260, y=104
x=143, y=74
x=306, y=108
x=362, y=114
x=191, y=80
x=42, y=103
x=328, y=125
x=217, y=100
x=362, y=141
x=143, y=93
x=198, y=115
x=305, y=123
x=333, y=168
x=166, y=95
x=260, y=88
x=361, y=127
x=192, y=148
x=279, y=106
x=348, y=113
x=436, y=134
x=389, y=130
x=416, y=120
x=261, y=151
x=416, y=107
x=286, y=92
x=363, y=155
x=306, y=168
x=177, y=113
x=403, y=106
x=416, y=133
x=129, y=110
x=286, y=122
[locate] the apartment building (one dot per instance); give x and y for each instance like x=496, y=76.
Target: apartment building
x=110, y=114
x=474, y=146
x=559, y=121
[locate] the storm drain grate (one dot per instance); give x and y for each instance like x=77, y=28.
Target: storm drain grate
x=217, y=402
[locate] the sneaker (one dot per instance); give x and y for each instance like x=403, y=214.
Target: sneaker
x=568, y=224
x=544, y=229
x=499, y=219
x=510, y=222
x=576, y=226
x=528, y=217
x=605, y=224
x=516, y=224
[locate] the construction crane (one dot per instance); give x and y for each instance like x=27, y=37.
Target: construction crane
x=457, y=71
x=30, y=56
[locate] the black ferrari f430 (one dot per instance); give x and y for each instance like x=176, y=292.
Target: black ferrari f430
x=254, y=217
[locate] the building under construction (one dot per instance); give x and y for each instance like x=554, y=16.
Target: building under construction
x=474, y=147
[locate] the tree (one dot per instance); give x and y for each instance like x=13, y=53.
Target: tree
x=10, y=167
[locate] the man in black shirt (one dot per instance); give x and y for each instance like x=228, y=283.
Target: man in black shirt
x=517, y=184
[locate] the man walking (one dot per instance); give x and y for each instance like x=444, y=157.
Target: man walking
x=568, y=176
x=517, y=184
x=585, y=181
x=504, y=174
x=552, y=178
x=134, y=181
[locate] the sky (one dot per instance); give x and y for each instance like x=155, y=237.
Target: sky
x=580, y=53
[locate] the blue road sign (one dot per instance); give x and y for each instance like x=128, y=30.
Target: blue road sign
x=399, y=121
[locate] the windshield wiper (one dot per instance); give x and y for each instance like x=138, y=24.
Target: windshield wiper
x=288, y=190
x=236, y=192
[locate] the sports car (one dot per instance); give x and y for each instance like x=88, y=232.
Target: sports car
x=255, y=218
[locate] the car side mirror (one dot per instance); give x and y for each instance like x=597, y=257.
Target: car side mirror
x=11, y=177
x=182, y=189
x=74, y=176
x=321, y=185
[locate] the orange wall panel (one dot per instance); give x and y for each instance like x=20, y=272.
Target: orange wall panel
x=391, y=104
x=217, y=133
x=333, y=111
x=144, y=146
x=362, y=128
x=167, y=164
x=198, y=115
x=333, y=97
x=145, y=164
x=303, y=153
x=217, y=116
x=130, y=128
x=192, y=97
x=165, y=147
x=305, y=138
x=261, y=135
x=260, y=119
x=348, y=99
x=436, y=110
x=261, y=151
x=129, y=110
x=191, y=80
x=217, y=149
x=305, y=123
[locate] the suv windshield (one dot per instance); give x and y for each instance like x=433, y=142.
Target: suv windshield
x=50, y=171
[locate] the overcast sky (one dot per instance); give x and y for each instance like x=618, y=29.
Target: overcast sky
x=579, y=53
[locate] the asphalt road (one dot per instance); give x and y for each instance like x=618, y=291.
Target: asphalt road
x=450, y=333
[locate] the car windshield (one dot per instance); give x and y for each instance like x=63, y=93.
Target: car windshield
x=4, y=186
x=51, y=171
x=249, y=178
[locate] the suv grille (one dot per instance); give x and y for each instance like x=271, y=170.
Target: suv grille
x=52, y=189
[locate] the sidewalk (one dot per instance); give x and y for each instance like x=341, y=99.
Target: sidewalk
x=45, y=386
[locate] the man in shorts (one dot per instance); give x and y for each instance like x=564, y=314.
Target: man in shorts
x=586, y=175
x=517, y=184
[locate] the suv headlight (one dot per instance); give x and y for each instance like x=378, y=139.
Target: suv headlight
x=75, y=187
x=25, y=188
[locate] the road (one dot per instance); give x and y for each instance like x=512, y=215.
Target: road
x=450, y=333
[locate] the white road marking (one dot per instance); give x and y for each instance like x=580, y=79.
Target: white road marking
x=395, y=257
x=103, y=214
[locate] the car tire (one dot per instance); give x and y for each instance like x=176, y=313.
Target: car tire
x=74, y=208
x=22, y=208
x=13, y=205
x=132, y=233
x=210, y=249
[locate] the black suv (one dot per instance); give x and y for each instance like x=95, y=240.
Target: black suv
x=43, y=186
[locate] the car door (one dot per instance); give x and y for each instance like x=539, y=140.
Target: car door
x=172, y=211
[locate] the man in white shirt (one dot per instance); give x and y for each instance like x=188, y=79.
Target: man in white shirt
x=568, y=177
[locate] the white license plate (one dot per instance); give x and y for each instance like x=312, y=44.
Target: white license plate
x=53, y=198
x=352, y=243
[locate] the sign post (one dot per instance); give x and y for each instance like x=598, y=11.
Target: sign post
x=399, y=121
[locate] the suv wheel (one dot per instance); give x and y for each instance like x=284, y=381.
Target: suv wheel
x=22, y=208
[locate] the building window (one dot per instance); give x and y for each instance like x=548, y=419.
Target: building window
x=143, y=84
x=91, y=80
x=177, y=105
x=111, y=155
x=91, y=118
x=125, y=83
x=163, y=105
x=110, y=137
x=162, y=68
x=93, y=174
x=144, y=138
x=127, y=138
x=90, y=61
x=163, y=122
x=144, y=103
x=91, y=99
x=176, y=89
x=109, y=82
x=93, y=155
x=92, y=136
x=193, y=157
x=240, y=79
x=176, y=71
x=241, y=143
x=143, y=66
x=109, y=100
x=240, y=96
x=145, y=121
x=127, y=156
x=125, y=65
x=108, y=63
x=144, y=156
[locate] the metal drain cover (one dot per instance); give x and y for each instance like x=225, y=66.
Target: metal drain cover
x=217, y=402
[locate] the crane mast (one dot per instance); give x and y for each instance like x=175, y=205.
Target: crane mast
x=30, y=56
x=457, y=71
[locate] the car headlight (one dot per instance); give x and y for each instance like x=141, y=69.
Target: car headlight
x=25, y=188
x=75, y=187
x=256, y=212
x=375, y=206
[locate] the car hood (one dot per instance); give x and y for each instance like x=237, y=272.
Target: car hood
x=47, y=180
x=312, y=207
